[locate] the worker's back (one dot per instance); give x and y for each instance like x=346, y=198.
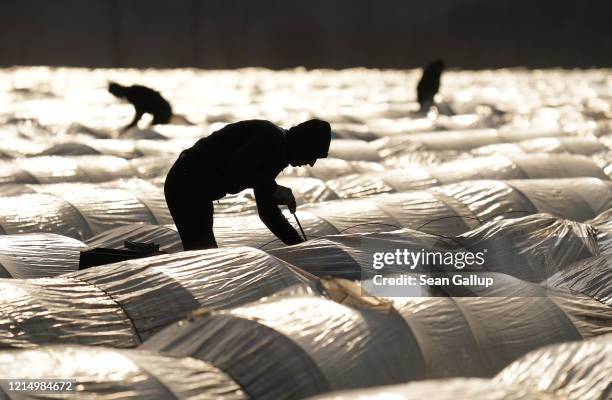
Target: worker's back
x=148, y=100
x=257, y=143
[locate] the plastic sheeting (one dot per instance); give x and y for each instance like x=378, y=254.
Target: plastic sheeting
x=329, y=168
x=110, y=374
x=146, y=192
x=494, y=167
x=165, y=235
x=446, y=210
x=590, y=277
x=535, y=247
x=409, y=154
x=579, y=371
x=448, y=389
x=38, y=255
x=335, y=346
x=122, y=304
x=456, y=140
x=54, y=169
x=80, y=210
x=350, y=149
x=531, y=248
x=565, y=144
x=572, y=371
x=307, y=190
x=349, y=255
x=332, y=346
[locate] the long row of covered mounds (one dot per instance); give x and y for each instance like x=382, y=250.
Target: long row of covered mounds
x=106, y=373
x=124, y=303
x=38, y=255
x=431, y=149
x=363, y=342
x=82, y=211
x=348, y=343
x=573, y=371
x=52, y=169
x=569, y=371
x=240, y=322
x=80, y=168
x=309, y=190
x=542, y=166
x=444, y=211
x=79, y=162
x=447, y=210
x=532, y=248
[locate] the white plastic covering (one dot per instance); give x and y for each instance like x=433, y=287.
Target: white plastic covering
x=448, y=389
x=164, y=235
x=332, y=346
x=535, y=247
x=349, y=255
x=590, y=277
x=532, y=248
x=310, y=190
x=494, y=167
x=447, y=210
x=564, y=144
x=572, y=371
x=38, y=255
x=81, y=210
x=122, y=304
x=575, y=371
x=350, y=149
x=335, y=346
x=457, y=140
x=60, y=127
x=329, y=168
x=53, y=169
x=104, y=373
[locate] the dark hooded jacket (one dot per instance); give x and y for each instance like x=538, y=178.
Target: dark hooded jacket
x=246, y=154
x=148, y=101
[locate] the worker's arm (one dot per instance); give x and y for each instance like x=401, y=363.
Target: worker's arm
x=137, y=116
x=273, y=218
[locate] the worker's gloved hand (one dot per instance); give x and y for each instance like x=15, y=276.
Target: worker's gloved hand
x=284, y=195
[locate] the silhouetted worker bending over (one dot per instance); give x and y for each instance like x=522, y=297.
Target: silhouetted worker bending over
x=429, y=84
x=247, y=154
x=145, y=101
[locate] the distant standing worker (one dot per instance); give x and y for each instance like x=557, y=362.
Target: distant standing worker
x=145, y=101
x=246, y=154
x=429, y=84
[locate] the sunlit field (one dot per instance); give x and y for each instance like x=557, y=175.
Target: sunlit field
x=515, y=163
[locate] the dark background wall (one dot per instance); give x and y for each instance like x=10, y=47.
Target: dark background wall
x=314, y=33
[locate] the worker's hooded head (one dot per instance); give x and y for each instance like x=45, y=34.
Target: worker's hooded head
x=308, y=141
x=116, y=89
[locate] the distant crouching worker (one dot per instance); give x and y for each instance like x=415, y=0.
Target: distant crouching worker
x=246, y=154
x=145, y=101
x=429, y=84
